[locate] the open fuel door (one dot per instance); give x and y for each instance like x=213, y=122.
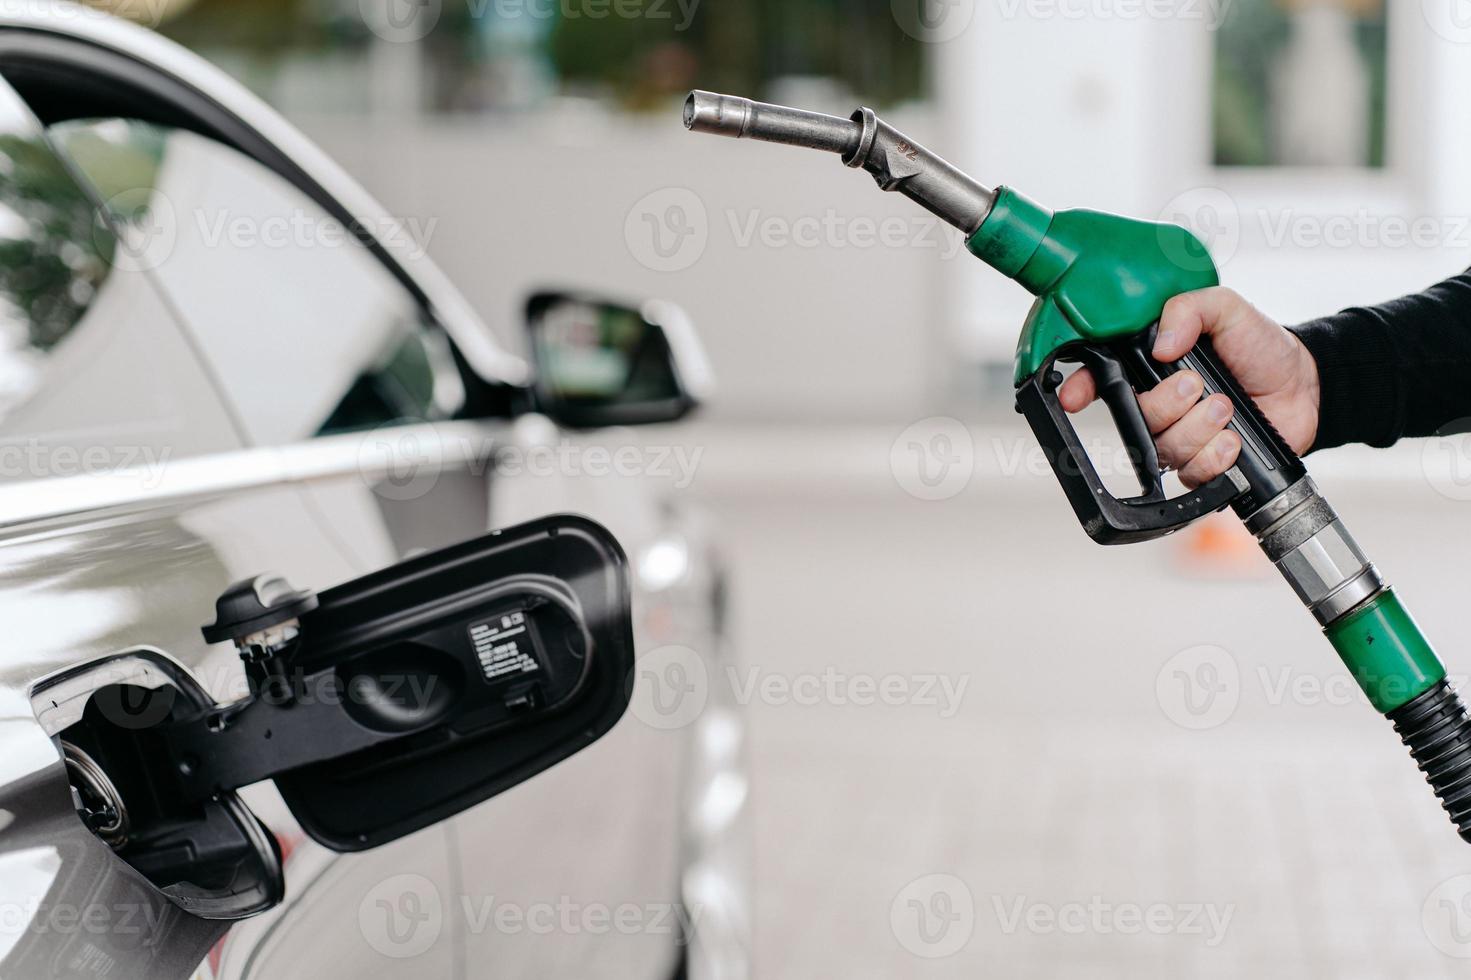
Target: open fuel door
x=393, y=701
x=378, y=707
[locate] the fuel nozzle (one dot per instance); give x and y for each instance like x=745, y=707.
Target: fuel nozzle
x=863, y=140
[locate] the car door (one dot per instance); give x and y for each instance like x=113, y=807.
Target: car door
x=325, y=355
x=316, y=346
x=127, y=729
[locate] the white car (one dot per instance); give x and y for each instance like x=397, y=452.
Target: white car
x=221, y=362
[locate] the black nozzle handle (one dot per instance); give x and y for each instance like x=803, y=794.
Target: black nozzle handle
x=1266, y=463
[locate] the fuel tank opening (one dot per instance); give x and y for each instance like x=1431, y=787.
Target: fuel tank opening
x=210, y=857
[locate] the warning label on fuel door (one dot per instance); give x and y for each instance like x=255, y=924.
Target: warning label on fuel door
x=504, y=646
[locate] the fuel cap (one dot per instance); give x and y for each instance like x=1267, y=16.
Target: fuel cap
x=255, y=604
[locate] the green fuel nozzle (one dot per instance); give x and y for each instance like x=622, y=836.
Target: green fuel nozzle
x=1101, y=282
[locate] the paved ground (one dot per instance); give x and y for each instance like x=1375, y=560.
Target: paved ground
x=1147, y=772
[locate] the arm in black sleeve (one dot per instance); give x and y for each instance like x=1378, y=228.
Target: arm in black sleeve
x=1396, y=370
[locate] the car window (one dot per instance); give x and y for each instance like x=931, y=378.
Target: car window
x=95, y=374
x=306, y=329
x=53, y=262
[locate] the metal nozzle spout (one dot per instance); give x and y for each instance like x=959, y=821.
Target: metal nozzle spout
x=730, y=115
x=896, y=162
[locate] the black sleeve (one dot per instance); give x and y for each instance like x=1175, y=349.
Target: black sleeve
x=1396, y=370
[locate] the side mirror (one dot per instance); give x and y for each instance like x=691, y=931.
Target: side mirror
x=602, y=363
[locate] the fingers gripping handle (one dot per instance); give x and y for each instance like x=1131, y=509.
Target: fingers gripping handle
x=1106, y=518
x=1266, y=465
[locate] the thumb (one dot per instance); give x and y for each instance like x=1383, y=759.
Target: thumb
x=1188, y=315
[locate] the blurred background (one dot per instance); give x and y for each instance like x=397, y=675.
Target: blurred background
x=1157, y=732
x=1297, y=135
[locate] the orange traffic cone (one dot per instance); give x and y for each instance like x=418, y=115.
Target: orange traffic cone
x=1219, y=546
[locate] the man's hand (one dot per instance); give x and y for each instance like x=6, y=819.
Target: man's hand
x=1271, y=365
